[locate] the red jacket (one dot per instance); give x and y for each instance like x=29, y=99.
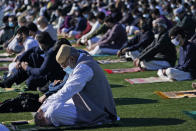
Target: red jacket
x=88, y=28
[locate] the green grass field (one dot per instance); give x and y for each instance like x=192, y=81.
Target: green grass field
x=137, y=105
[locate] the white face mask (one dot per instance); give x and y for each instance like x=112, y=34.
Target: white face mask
x=39, y=27
x=156, y=36
x=152, y=7
x=146, y=15
x=86, y=16
x=177, y=19
x=41, y=48
x=193, y=11
x=134, y=16
x=175, y=41
x=172, y=6
x=140, y=9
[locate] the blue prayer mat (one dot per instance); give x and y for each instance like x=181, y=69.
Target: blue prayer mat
x=191, y=114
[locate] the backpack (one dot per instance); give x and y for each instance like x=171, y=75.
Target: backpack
x=25, y=102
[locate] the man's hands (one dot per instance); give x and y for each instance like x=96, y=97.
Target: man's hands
x=18, y=65
x=56, y=82
x=10, y=51
x=120, y=52
x=42, y=98
x=136, y=62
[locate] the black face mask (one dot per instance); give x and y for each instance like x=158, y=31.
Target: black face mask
x=155, y=30
x=144, y=27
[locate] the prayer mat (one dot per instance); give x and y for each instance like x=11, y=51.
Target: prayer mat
x=147, y=80
x=6, y=90
x=101, y=55
x=29, y=125
x=6, y=59
x=5, y=54
x=1, y=77
x=3, y=68
x=109, y=61
x=19, y=122
x=191, y=114
x=177, y=94
x=60, y=36
x=76, y=45
x=125, y=70
x=3, y=90
x=14, y=125
x=72, y=41
x=16, y=88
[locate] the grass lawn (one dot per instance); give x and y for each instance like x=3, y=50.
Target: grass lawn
x=137, y=105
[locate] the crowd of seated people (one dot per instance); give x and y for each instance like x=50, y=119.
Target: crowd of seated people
x=147, y=32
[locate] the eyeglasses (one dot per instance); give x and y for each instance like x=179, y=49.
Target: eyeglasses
x=65, y=63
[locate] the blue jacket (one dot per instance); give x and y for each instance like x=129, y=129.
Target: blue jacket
x=50, y=68
x=81, y=24
x=32, y=56
x=187, y=58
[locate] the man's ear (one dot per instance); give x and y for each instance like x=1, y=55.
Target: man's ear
x=40, y=116
x=72, y=58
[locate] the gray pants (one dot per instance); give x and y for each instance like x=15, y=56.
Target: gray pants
x=103, y=51
x=175, y=74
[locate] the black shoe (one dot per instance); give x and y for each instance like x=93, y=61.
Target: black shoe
x=5, y=84
x=2, y=85
x=44, y=88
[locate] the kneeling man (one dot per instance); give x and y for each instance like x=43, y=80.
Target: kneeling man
x=186, y=68
x=86, y=97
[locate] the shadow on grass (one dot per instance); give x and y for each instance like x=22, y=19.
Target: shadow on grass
x=116, y=86
x=129, y=101
x=129, y=122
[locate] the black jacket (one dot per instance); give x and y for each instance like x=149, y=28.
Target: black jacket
x=160, y=49
x=188, y=25
x=47, y=67
x=140, y=41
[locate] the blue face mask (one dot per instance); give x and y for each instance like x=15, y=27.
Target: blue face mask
x=177, y=19
x=86, y=16
x=11, y=24
x=68, y=70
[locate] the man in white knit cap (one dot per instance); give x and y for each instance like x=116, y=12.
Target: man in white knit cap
x=86, y=97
